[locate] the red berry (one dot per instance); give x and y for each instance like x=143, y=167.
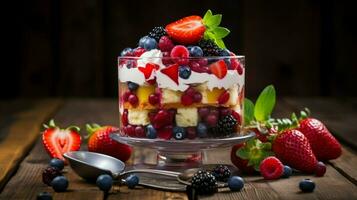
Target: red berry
x=126, y=95
x=203, y=112
x=211, y=120
x=196, y=67
x=133, y=99
x=165, y=44
x=139, y=51
x=271, y=168
x=191, y=133
x=172, y=113
x=151, y=81
x=172, y=72
x=152, y=116
x=181, y=54
x=124, y=118
x=186, y=100
x=190, y=92
x=203, y=62
x=130, y=130
x=214, y=111
x=154, y=99
x=161, y=119
x=165, y=132
x=320, y=169
x=237, y=117
x=224, y=97
x=225, y=111
x=219, y=69
x=166, y=60
x=140, y=132
x=197, y=97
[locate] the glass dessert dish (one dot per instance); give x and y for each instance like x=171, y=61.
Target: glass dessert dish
x=181, y=106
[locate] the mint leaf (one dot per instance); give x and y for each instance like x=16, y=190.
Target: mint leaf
x=243, y=153
x=265, y=103
x=221, y=32
x=207, y=16
x=214, y=21
x=220, y=43
x=248, y=111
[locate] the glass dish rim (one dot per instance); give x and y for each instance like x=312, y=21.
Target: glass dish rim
x=190, y=58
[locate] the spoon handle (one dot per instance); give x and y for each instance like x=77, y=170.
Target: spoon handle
x=153, y=171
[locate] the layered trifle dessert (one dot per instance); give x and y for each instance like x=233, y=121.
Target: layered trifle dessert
x=181, y=82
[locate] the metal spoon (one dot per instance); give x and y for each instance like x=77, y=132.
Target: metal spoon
x=90, y=165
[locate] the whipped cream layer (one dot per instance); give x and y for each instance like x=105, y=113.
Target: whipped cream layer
x=155, y=56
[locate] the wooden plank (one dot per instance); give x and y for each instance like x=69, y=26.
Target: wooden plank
x=21, y=127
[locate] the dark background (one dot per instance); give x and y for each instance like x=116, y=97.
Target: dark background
x=69, y=48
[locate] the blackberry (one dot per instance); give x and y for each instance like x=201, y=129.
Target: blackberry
x=157, y=33
x=204, y=182
x=49, y=174
x=221, y=172
x=209, y=48
x=227, y=125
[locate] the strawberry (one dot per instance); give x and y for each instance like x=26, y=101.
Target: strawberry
x=148, y=69
x=323, y=144
x=188, y=30
x=99, y=141
x=219, y=69
x=172, y=72
x=293, y=149
x=59, y=141
x=247, y=156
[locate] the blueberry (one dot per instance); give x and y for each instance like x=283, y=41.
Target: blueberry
x=132, y=86
x=307, y=185
x=104, y=182
x=235, y=183
x=147, y=43
x=44, y=196
x=195, y=51
x=57, y=163
x=126, y=51
x=130, y=63
x=59, y=184
x=224, y=52
x=287, y=172
x=131, y=181
x=184, y=72
x=201, y=130
x=150, y=132
x=179, y=133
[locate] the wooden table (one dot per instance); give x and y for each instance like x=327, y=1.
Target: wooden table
x=22, y=157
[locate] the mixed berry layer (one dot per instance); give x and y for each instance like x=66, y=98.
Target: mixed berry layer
x=179, y=84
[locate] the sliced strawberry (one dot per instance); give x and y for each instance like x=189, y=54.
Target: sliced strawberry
x=59, y=141
x=188, y=30
x=219, y=69
x=147, y=70
x=172, y=72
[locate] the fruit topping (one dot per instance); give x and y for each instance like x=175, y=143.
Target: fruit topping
x=180, y=55
x=133, y=100
x=126, y=95
x=197, y=97
x=131, y=181
x=227, y=125
x=49, y=174
x=235, y=183
x=209, y=48
x=104, y=182
x=99, y=141
x=154, y=99
x=307, y=185
x=271, y=168
x=166, y=44
x=140, y=132
x=129, y=130
x=162, y=118
x=132, y=86
x=188, y=30
x=127, y=52
x=186, y=100
x=191, y=133
x=179, y=133
x=203, y=112
x=165, y=132
x=57, y=163
x=148, y=69
x=212, y=120
x=58, y=141
x=287, y=172
x=224, y=97
x=157, y=33
x=139, y=51
x=320, y=169
x=202, y=130
x=225, y=111
x=221, y=172
x=195, y=51
x=172, y=72
x=219, y=69
x=59, y=184
x=184, y=72
x=151, y=132
x=124, y=118
x=204, y=183
x=147, y=43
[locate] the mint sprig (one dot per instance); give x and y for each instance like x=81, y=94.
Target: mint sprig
x=213, y=30
x=265, y=104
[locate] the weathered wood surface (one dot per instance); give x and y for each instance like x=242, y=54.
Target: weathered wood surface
x=338, y=183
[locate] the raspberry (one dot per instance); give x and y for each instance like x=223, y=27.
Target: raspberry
x=49, y=174
x=224, y=97
x=166, y=60
x=181, y=54
x=165, y=44
x=271, y=168
x=161, y=119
